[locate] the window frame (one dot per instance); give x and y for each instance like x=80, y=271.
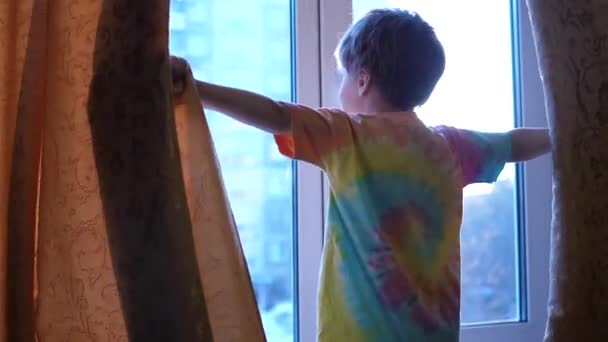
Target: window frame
x=318, y=25
x=308, y=179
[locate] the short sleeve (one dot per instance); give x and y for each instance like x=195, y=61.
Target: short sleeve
x=313, y=133
x=482, y=156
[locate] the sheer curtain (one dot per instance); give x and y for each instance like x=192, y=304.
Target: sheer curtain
x=572, y=45
x=114, y=221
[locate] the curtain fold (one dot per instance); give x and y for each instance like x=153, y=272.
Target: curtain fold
x=572, y=45
x=139, y=175
x=21, y=97
x=231, y=303
x=113, y=215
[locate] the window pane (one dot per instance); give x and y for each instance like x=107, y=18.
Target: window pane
x=247, y=44
x=476, y=92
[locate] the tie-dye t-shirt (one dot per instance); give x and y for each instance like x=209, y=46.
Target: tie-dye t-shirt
x=391, y=259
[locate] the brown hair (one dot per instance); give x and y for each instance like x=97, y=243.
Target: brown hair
x=399, y=50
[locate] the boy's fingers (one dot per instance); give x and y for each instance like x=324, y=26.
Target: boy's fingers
x=179, y=64
x=179, y=71
x=178, y=88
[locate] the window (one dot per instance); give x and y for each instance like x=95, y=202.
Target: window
x=284, y=49
x=240, y=49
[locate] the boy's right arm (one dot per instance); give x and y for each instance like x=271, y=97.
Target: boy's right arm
x=301, y=132
x=245, y=106
x=248, y=107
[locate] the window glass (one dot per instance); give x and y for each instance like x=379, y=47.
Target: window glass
x=249, y=48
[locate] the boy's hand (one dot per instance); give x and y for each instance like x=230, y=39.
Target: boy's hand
x=179, y=70
x=529, y=143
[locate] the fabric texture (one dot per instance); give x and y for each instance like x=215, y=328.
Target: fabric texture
x=391, y=262
x=572, y=53
x=113, y=218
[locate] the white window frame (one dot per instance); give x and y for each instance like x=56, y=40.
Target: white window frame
x=309, y=179
x=318, y=27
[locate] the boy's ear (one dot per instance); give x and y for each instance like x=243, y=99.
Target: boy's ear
x=364, y=82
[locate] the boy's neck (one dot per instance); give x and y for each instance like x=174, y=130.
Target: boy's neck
x=374, y=102
x=373, y=107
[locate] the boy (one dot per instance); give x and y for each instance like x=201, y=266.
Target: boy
x=391, y=260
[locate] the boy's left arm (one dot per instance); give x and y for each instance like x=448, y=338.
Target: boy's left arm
x=528, y=143
x=482, y=155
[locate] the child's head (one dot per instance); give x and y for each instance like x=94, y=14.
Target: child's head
x=389, y=55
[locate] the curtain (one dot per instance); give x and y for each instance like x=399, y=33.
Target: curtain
x=113, y=217
x=572, y=45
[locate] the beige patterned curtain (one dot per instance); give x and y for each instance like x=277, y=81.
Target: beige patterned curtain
x=113, y=218
x=572, y=45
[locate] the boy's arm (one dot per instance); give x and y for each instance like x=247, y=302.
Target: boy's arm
x=245, y=106
x=301, y=132
x=528, y=143
x=482, y=155
x=248, y=107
